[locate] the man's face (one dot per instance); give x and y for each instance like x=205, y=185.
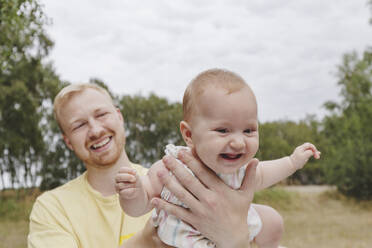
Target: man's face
x=93, y=128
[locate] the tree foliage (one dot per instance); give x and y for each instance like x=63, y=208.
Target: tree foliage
x=348, y=128
x=151, y=123
x=27, y=86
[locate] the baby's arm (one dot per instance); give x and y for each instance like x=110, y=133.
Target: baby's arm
x=135, y=192
x=271, y=172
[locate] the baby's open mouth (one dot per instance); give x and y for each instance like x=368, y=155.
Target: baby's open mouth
x=230, y=156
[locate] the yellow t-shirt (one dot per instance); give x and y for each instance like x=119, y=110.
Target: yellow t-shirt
x=76, y=215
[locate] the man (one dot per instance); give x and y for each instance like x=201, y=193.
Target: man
x=85, y=212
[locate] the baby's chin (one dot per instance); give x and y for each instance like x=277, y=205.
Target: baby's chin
x=223, y=168
x=224, y=164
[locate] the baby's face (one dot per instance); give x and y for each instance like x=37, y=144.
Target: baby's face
x=224, y=129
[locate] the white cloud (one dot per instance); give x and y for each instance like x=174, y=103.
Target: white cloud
x=286, y=50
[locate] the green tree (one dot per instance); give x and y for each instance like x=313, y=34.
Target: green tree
x=27, y=85
x=348, y=128
x=150, y=123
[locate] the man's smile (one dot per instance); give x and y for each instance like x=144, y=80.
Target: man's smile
x=101, y=144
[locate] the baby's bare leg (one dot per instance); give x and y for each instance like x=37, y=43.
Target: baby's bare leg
x=272, y=227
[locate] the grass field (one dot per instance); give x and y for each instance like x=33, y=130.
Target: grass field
x=312, y=219
x=323, y=219
x=14, y=211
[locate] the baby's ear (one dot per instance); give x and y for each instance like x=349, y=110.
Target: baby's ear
x=186, y=133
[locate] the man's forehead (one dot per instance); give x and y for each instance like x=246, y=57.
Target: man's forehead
x=89, y=97
x=85, y=102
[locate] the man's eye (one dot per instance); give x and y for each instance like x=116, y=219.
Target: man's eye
x=248, y=130
x=79, y=126
x=101, y=115
x=221, y=130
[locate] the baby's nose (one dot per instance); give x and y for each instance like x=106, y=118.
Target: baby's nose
x=237, y=143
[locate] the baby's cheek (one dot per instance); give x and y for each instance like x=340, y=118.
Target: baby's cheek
x=254, y=146
x=206, y=156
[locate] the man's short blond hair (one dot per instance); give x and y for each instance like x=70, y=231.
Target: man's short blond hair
x=218, y=78
x=67, y=92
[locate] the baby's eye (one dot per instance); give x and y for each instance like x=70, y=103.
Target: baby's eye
x=248, y=130
x=221, y=130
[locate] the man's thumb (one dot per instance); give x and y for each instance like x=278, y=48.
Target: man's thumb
x=250, y=175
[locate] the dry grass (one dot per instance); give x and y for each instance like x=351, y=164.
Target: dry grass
x=13, y=234
x=312, y=219
x=325, y=220
x=14, y=211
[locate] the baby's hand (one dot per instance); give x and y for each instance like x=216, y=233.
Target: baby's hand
x=127, y=183
x=302, y=153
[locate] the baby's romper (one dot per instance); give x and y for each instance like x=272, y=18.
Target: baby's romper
x=176, y=233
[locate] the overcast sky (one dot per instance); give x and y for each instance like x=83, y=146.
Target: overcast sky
x=287, y=50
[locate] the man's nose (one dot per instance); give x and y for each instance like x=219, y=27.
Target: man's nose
x=95, y=129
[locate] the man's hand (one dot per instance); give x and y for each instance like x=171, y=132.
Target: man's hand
x=216, y=210
x=302, y=153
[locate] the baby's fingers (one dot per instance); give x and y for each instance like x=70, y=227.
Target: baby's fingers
x=121, y=185
x=317, y=155
x=126, y=178
x=315, y=151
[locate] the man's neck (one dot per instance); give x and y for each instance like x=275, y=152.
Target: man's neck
x=102, y=178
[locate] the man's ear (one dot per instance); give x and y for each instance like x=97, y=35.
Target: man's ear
x=186, y=133
x=120, y=114
x=67, y=142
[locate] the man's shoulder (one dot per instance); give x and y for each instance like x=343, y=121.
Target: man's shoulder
x=75, y=186
x=53, y=203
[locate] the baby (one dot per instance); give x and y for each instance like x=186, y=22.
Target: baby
x=220, y=125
